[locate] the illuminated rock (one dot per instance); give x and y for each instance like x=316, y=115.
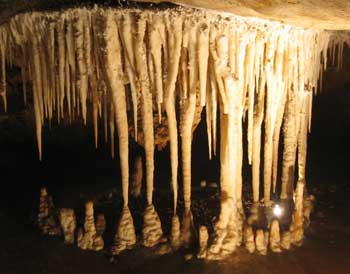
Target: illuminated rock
x=68, y=224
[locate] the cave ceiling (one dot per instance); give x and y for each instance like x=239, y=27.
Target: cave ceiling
x=322, y=14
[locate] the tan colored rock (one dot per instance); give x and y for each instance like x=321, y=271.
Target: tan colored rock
x=152, y=232
x=275, y=238
x=175, y=235
x=47, y=219
x=125, y=237
x=203, y=242
x=68, y=224
x=136, y=179
x=100, y=224
x=188, y=233
x=249, y=241
x=308, y=208
x=87, y=238
x=325, y=14
x=260, y=242
x=285, y=241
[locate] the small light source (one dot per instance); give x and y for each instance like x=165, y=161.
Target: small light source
x=277, y=210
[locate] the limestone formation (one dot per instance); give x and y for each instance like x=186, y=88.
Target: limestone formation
x=47, y=219
x=175, y=239
x=203, y=242
x=297, y=225
x=275, y=237
x=68, y=225
x=125, y=237
x=100, y=224
x=87, y=238
x=308, y=208
x=136, y=179
x=285, y=240
x=249, y=240
x=152, y=232
x=188, y=233
x=260, y=242
x=136, y=68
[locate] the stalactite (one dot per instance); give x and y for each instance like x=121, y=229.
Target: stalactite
x=114, y=74
x=269, y=113
x=127, y=39
x=302, y=137
x=61, y=65
x=258, y=118
x=81, y=61
x=174, y=28
x=147, y=110
x=36, y=94
x=203, y=54
x=155, y=44
x=238, y=66
x=188, y=112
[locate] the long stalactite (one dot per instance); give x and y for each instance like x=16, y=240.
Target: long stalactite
x=131, y=63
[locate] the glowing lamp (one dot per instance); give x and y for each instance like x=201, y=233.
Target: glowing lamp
x=277, y=210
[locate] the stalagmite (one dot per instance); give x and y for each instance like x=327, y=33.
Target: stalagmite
x=136, y=179
x=260, y=242
x=152, y=231
x=297, y=225
x=249, y=239
x=308, y=208
x=285, y=240
x=175, y=233
x=68, y=224
x=100, y=224
x=87, y=238
x=188, y=233
x=275, y=238
x=203, y=242
x=47, y=220
x=135, y=65
x=125, y=237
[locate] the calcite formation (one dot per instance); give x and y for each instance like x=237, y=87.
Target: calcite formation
x=249, y=240
x=47, y=219
x=136, y=179
x=275, y=237
x=87, y=238
x=137, y=68
x=68, y=224
x=261, y=242
x=125, y=237
x=152, y=230
x=203, y=242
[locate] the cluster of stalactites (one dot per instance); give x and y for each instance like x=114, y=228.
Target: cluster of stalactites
x=120, y=58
